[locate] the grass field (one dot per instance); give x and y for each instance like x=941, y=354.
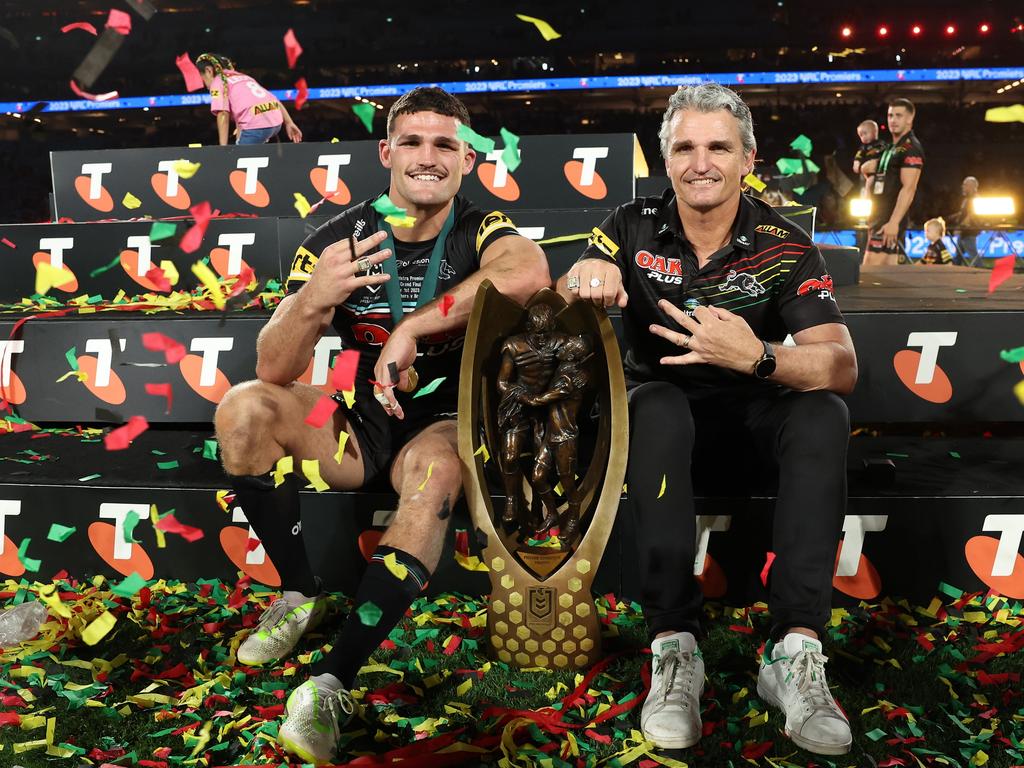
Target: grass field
x=927, y=685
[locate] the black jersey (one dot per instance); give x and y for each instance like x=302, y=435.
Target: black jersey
x=364, y=320
x=905, y=153
x=770, y=273
x=870, y=151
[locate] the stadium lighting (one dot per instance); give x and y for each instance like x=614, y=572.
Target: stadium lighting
x=860, y=208
x=916, y=30
x=984, y=28
x=883, y=31
x=846, y=31
x=994, y=207
x=950, y=30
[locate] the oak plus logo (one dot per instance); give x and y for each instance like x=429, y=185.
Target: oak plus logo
x=228, y=261
x=11, y=388
x=101, y=379
x=582, y=173
x=245, y=551
x=326, y=179
x=997, y=561
x=137, y=260
x=51, y=251
x=89, y=186
x=108, y=540
x=496, y=178
x=10, y=563
x=919, y=371
x=319, y=369
x=201, y=372
x=246, y=181
x=168, y=186
x=855, y=575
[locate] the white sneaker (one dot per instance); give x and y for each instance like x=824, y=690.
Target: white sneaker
x=792, y=678
x=314, y=718
x=282, y=624
x=671, y=713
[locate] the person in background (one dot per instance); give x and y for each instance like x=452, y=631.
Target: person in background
x=865, y=161
x=937, y=253
x=965, y=224
x=257, y=113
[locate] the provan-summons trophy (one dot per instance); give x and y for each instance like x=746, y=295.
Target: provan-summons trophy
x=542, y=413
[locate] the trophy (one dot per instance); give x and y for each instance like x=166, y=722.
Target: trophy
x=533, y=379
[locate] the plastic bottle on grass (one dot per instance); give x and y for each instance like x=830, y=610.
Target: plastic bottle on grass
x=21, y=623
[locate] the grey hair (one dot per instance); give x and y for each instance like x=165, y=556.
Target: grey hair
x=708, y=97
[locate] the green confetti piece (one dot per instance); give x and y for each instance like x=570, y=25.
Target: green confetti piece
x=31, y=564
x=60, y=533
x=130, y=521
x=1015, y=355
x=155, y=452
x=130, y=586
x=876, y=734
x=953, y=592
x=369, y=614
x=510, y=154
x=173, y=464
x=898, y=455
x=210, y=449
x=474, y=139
x=161, y=230
x=961, y=290
x=954, y=454
x=802, y=144
x=365, y=113
x=87, y=478
x=385, y=207
x=428, y=389
x=799, y=190
x=72, y=357
x=107, y=267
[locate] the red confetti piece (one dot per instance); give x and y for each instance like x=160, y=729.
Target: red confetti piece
x=1002, y=270
x=343, y=376
x=156, y=276
x=122, y=437
x=447, y=302
x=161, y=390
x=83, y=25
x=8, y=243
x=321, y=412
x=157, y=342
x=452, y=644
x=742, y=629
x=10, y=718
x=756, y=750
x=119, y=21
x=251, y=545
x=193, y=80
x=171, y=524
x=292, y=49
x=92, y=96
x=194, y=237
x=270, y=713
x=767, y=567
x=302, y=93
x=245, y=277
x=598, y=736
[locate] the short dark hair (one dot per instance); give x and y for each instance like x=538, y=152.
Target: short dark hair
x=428, y=99
x=907, y=104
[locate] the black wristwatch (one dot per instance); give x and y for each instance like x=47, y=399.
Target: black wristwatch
x=765, y=367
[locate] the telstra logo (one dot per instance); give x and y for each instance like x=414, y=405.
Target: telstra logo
x=582, y=173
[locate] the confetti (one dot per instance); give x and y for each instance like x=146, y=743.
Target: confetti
x=210, y=449
x=754, y=183
x=170, y=271
x=428, y=389
x=285, y=466
x=173, y=464
x=1011, y=114
x=311, y=469
x=161, y=230
x=209, y=281
x=301, y=93
x=31, y=564
x=186, y=169
x=474, y=139
x=365, y=112
x=802, y=144
x=106, y=267
x=321, y=412
x=385, y=207
x=1015, y=355
x=60, y=533
x=546, y=30
x=406, y=222
x=110, y=95
x=342, y=440
x=343, y=375
x=430, y=471
x=7, y=242
x=122, y=437
x=447, y=302
x=302, y=205
x=1002, y=271
x=482, y=451
x=131, y=520
x=510, y=154
x=119, y=21
x=48, y=277
x=369, y=614
x=83, y=25
x=194, y=237
x=174, y=351
x=156, y=276
x=98, y=628
x=1018, y=391
x=189, y=71
x=292, y=49
x=661, y=492
x=130, y=201
x=396, y=568
x=129, y=586
x=170, y=524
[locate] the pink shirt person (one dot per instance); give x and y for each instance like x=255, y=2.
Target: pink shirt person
x=250, y=104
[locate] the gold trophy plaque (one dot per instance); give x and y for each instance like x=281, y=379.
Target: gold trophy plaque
x=531, y=378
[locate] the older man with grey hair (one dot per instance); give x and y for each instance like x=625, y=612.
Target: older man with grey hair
x=710, y=281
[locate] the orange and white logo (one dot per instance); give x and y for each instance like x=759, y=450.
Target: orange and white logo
x=855, y=575
x=101, y=380
x=228, y=261
x=496, y=178
x=706, y=569
x=201, y=371
x=108, y=540
x=11, y=387
x=51, y=251
x=246, y=181
x=327, y=180
x=319, y=368
x=582, y=173
x=168, y=186
x=919, y=371
x=137, y=260
x=997, y=561
x=89, y=186
x=10, y=563
x=251, y=559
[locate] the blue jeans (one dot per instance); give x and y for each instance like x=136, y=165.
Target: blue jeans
x=257, y=135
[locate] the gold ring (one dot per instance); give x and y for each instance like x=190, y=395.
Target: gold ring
x=685, y=343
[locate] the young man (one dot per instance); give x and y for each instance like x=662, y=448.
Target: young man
x=382, y=296
x=710, y=281
x=894, y=185
x=257, y=113
x=865, y=161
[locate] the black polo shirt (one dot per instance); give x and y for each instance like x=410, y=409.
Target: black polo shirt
x=770, y=273
x=870, y=151
x=905, y=153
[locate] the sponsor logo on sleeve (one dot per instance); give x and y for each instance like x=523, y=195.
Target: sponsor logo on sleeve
x=771, y=229
x=602, y=242
x=303, y=265
x=492, y=222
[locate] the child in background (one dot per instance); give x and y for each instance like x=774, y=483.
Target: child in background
x=257, y=113
x=937, y=253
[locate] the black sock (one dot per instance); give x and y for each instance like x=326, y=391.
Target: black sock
x=273, y=514
x=391, y=595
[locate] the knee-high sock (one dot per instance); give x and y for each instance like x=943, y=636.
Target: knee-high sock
x=388, y=593
x=273, y=514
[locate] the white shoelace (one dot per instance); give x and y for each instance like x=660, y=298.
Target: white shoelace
x=676, y=658
x=332, y=702
x=274, y=614
x=808, y=667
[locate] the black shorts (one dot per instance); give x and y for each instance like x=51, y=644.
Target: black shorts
x=877, y=245
x=380, y=436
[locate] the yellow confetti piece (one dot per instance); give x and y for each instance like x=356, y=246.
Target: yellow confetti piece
x=302, y=204
x=311, y=469
x=48, y=595
x=28, y=746
x=980, y=758
x=349, y=396
x=470, y=563
x=185, y=169
x=31, y=722
x=401, y=221
x=760, y=719
x=754, y=183
x=203, y=739
x=464, y=687
x=1018, y=390
x=194, y=146
x=48, y=276
x=741, y=693
x=170, y=271
x=131, y=202
x=546, y=30
x=285, y=466
x=154, y=518
x=82, y=376
x=209, y=281
x=98, y=628
x=662, y=491
x=398, y=570
x=482, y=451
x=342, y=440
x=334, y=140
x=430, y=471
x=1011, y=114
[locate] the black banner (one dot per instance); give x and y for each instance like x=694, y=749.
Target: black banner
x=556, y=172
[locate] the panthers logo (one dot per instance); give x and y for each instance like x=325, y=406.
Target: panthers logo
x=743, y=282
